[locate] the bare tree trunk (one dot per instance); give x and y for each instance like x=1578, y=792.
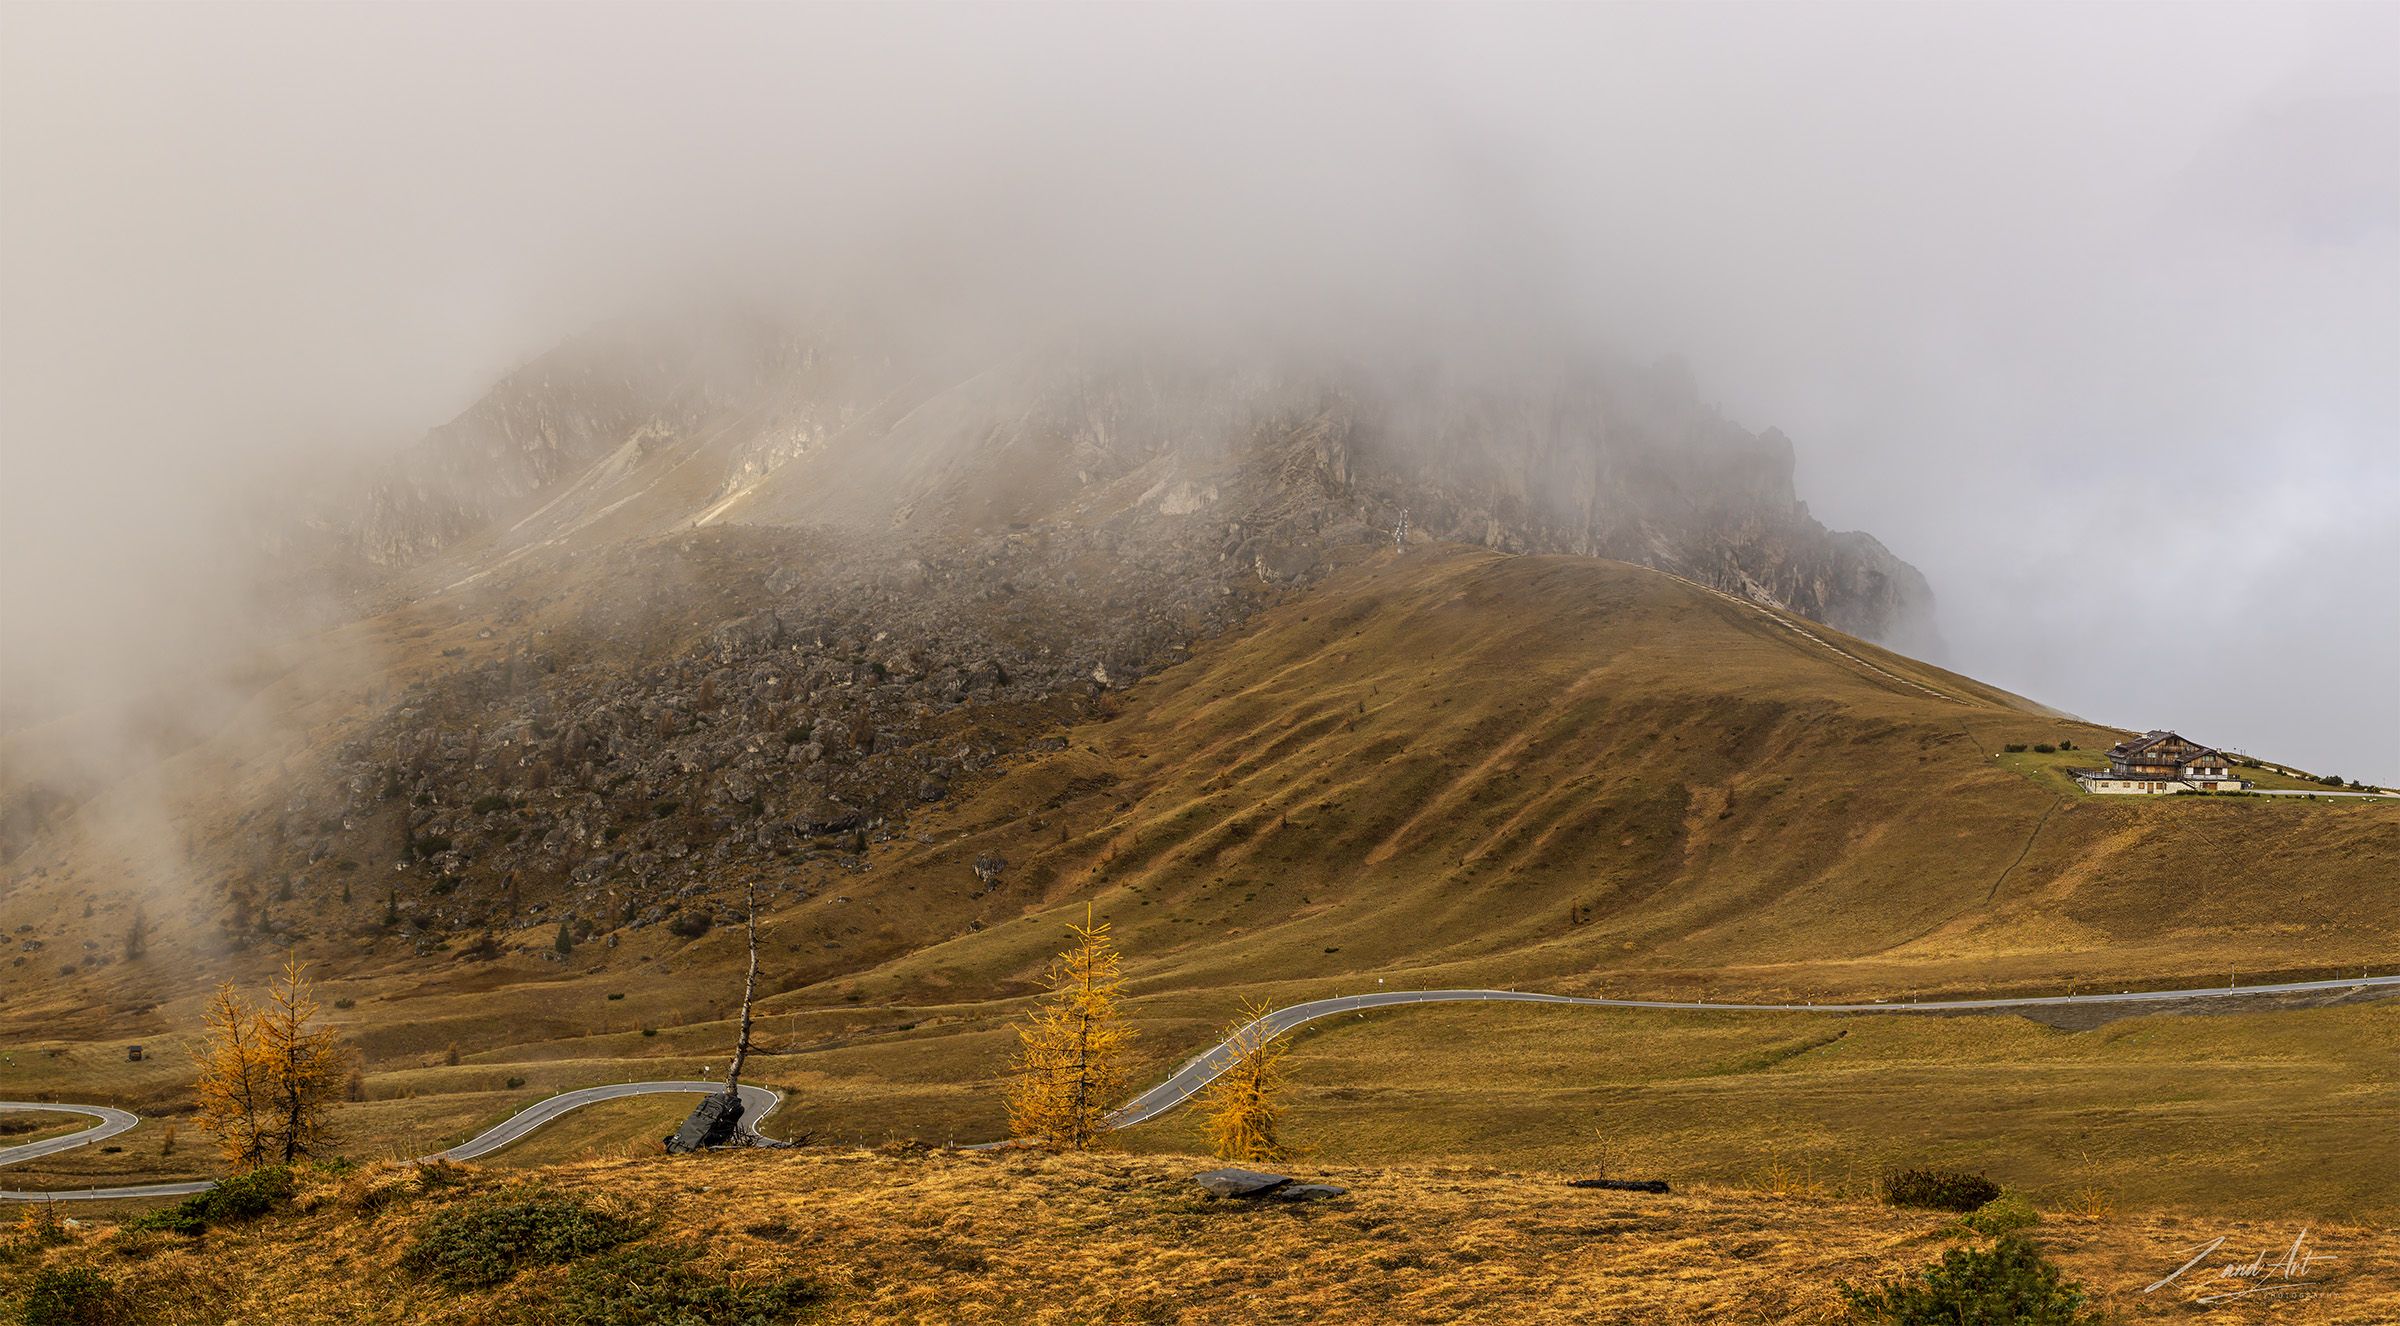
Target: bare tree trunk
x=741, y=1045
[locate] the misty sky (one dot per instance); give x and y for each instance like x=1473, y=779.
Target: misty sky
x=2091, y=312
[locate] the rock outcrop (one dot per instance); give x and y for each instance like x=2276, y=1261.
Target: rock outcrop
x=750, y=425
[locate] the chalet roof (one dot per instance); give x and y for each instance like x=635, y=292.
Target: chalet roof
x=2156, y=738
x=2125, y=749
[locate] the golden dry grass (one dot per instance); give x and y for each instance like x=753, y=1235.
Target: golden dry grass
x=1026, y=1238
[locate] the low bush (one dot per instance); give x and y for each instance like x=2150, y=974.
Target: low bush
x=2014, y=748
x=2001, y=1215
x=2008, y=1282
x=690, y=925
x=483, y=1242
x=72, y=1296
x=227, y=1201
x=1938, y=1189
x=645, y=1285
x=2044, y=748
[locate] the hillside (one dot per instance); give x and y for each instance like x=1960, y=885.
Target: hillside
x=1439, y=768
x=1479, y=769
x=1466, y=767
x=913, y=1237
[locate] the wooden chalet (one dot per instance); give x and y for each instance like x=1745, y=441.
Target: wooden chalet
x=2161, y=762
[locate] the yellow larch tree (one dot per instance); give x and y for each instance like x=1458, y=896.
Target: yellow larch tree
x=1245, y=1104
x=308, y=1064
x=232, y=1085
x=268, y=1075
x=1071, y=1067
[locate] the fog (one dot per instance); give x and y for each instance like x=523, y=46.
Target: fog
x=2092, y=313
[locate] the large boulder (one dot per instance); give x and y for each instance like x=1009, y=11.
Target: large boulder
x=716, y=1121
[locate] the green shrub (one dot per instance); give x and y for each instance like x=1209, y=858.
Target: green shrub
x=2066, y=745
x=1938, y=1189
x=2014, y=748
x=71, y=1296
x=227, y=1201
x=619, y=994
x=2044, y=748
x=2009, y=1283
x=2001, y=1215
x=483, y=1242
x=515, y=1082
x=690, y=925
x=646, y=1285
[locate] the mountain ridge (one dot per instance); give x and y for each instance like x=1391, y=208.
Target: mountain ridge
x=749, y=423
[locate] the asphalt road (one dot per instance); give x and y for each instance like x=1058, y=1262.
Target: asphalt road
x=1196, y=1073
x=112, y=1122
x=1204, y=1067
x=757, y=1104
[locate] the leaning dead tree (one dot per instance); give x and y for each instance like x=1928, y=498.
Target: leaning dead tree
x=741, y=1043
x=717, y=1119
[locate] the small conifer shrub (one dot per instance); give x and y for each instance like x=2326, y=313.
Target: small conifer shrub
x=1938, y=1189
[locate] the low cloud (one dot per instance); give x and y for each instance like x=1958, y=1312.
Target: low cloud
x=2090, y=313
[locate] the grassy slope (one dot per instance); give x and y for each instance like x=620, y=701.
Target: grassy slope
x=1022, y=1238
x=1478, y=768
x=1452, y=768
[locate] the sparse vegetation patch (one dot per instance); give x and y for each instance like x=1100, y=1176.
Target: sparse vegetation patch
x=643, y=1286
x=2010, y=1282
x=484, y=1241
x=72, y=1296
x=1938, y=1189
x=242, y=1197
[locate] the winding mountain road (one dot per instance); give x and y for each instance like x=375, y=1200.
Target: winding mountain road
x=757, y=1104
x=1204, y=1067
x=1187, y=1081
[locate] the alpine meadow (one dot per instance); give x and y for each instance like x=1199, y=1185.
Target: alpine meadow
x=737, y=664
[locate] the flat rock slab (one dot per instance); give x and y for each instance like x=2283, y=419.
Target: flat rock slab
x=1621, y=1185
x=1258, y=1186
x=1240, y=1182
